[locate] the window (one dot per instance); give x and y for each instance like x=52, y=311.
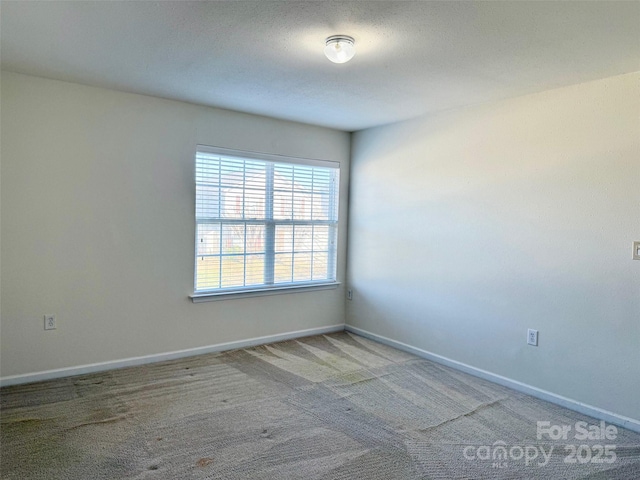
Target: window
x=263, y=222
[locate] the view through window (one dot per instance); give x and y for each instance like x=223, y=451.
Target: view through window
x=263, y=221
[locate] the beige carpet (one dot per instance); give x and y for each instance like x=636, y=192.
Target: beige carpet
x=325, y=407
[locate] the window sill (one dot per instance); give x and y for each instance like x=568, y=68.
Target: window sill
x=260, y=292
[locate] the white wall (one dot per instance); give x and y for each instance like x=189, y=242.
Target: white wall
x=470, y=226
x=98, y=225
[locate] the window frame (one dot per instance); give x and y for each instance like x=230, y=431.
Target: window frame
x=270, y=222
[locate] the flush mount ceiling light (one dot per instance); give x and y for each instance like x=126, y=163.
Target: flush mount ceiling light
x=340, y=48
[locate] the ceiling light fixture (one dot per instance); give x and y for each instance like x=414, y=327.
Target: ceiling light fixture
x=340, y=48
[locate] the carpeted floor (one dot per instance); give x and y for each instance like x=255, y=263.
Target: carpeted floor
x=325, y=407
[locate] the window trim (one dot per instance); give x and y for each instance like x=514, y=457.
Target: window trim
x=261, y=292
x=270, y=289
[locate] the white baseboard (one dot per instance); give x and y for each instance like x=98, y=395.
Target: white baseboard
x=161, y=357
x=569, y=403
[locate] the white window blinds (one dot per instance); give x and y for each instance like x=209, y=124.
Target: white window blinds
x=263, y=222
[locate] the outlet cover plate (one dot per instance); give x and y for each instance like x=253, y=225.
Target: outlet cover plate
x=50, y=322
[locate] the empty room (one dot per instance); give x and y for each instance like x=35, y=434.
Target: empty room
x=319, y=240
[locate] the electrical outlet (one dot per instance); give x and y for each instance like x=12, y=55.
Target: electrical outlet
x=532, y=337
x=50, y=322
x=350, y=294
x=636, y=250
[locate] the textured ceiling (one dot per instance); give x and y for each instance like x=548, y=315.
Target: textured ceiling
x=266, y=57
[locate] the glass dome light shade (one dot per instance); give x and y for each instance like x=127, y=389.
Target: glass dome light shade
x=340, y=48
